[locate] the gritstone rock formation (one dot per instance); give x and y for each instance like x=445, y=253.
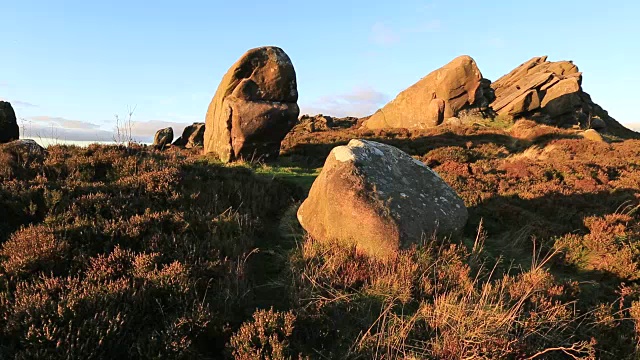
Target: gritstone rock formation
x=551, y=93
x=442, y=94
x=192, y=136
x=163, y=138
x=254, y=107
x=380, y=199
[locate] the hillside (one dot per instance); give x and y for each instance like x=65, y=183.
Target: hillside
x=131, y=252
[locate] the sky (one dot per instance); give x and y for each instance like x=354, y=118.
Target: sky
x=69, y=67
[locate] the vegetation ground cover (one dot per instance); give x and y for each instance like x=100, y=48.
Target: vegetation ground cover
x=113, y=251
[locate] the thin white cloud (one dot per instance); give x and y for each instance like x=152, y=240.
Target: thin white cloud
x=361, y=101
x=496, y=42
x=386, y=35
x=428, y=6
x=63, y=122
x=63, y=129
x=429, y=26
x=383, y=34
x=18, y=103
x=41, y=130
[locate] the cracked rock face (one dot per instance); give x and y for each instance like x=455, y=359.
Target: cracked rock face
x=254, y=107
x=440, y=95
x=380, y=199
x=550, y=92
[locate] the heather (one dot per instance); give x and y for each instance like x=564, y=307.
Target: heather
x=114, y=251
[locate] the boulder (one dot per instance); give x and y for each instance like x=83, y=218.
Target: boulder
x=597, y=123
x=380, y=199
x=562, y=98
x=551, y=93
x=192, y=136
x=315, y=123
x=453, y=121
x=254, y=107
x=163, y=138
x=592, y=135
x=9, y=129
x=21, y=157
x=439, y=95
x=24, y=150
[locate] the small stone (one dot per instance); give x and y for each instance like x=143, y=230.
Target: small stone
x=592, y=135
x=453, y=121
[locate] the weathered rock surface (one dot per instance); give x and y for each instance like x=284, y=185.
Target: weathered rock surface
x=254, y=107
x=550, y=93
x=442, y=94
x=9, y=129
x=592, y=135
x=453, y=121
x=380, y=199
x=163, y=138
x=24, y=150
x=192, y=136
x=320, y=122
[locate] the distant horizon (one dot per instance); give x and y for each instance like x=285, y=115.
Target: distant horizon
x=47, y=141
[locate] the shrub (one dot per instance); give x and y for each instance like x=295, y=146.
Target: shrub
x=31, y=250
x=265, y=337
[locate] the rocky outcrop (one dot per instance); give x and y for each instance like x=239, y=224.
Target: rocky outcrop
x=9, y=129
x=320, y=122
x=163, y=138
x=550, y=93
x=20, y=159
x=380, y=199
x=254, y=107
x=192, y=137
x=24, y=150
x=442, y=94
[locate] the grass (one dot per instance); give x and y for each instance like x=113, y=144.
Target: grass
x=298, y=176
x=113, y=251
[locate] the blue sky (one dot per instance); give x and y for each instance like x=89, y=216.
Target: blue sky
x=69, y=66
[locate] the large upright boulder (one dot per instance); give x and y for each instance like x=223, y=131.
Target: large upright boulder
x=254, y=107
x=550, y=93
x=9, y=129
x=192, y=136
x=442, y=94
x=380, y=199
